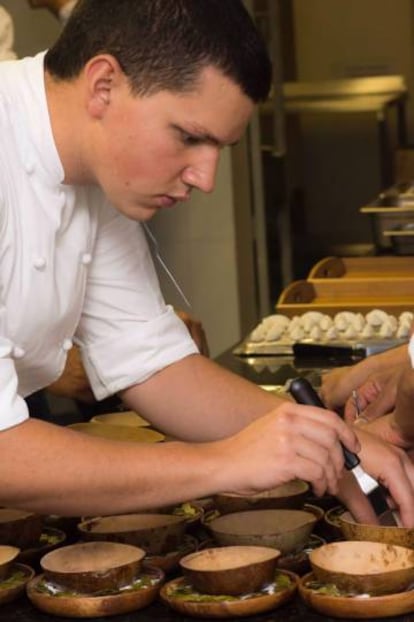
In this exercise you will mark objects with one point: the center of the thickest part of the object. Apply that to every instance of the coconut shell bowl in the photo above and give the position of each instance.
(362, 567)
(285, 530)
(291, 495)
(230, 570)
(92, 567)
(156, 533)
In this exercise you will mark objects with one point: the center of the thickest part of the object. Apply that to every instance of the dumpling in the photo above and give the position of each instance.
(403, 330)
(315, 333)
(350, 332)
(386, 330)
(368, 331)
(297, 334)
(332, 333)
(326, 322)
(406, 316)
(275, 332)
(376, 317)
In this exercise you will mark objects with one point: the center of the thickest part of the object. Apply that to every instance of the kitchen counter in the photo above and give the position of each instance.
(277, 370)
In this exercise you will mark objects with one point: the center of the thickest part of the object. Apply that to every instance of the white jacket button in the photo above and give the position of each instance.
(18, 353)
(29, 167)
(67, 345)
(39, 263)
(86, 259)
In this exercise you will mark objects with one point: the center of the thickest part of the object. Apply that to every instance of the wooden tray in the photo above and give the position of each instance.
(363, 267)
(337, 294)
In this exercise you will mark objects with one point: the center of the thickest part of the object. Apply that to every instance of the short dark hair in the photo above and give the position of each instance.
(164, 44)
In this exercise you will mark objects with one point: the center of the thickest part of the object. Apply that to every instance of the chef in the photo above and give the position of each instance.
(123, 117)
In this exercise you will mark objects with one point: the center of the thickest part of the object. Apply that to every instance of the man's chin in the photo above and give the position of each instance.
(139, 213)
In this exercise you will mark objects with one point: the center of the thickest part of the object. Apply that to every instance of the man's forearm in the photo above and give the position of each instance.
(223, 401)
(66, 472)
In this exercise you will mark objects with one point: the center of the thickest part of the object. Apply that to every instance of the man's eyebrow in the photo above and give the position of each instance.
(215, 141)
(207, 137)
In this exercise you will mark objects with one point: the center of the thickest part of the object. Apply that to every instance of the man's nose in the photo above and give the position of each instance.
(201, 172)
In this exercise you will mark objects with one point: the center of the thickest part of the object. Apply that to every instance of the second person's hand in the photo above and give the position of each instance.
(389, 465)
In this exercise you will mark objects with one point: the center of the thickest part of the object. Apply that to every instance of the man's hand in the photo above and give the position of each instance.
(376, 396)
(389, 465)
(404, 406)
(338, 384)
(196, 330)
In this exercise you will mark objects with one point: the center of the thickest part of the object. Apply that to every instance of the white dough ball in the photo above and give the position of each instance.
(326, 322)
(297, 334)
(386, 330)
(368, 331)
(332, 333)
(315, 333)
(376, 317)
(406, 316)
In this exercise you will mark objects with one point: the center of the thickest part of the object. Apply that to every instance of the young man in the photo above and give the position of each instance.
(124, 116)
(73, 382)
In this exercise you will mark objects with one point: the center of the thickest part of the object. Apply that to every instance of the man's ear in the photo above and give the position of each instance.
(102, 75)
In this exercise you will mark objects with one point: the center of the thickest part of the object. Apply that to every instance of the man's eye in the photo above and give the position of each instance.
(190, 139)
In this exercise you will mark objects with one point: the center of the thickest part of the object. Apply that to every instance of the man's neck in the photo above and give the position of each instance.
(68, 129)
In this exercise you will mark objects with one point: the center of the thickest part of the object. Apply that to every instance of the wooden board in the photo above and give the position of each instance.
(360, 295)
(384, 266)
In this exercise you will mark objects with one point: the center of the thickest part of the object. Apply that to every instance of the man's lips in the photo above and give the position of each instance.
(168, 200)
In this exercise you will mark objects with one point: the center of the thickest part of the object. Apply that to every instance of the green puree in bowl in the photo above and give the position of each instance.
(185, 591)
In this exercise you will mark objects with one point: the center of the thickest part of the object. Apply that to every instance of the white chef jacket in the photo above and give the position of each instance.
(71, 266)
(6, 35)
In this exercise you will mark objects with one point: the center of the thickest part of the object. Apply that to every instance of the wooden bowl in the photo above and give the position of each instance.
(291, 495)
(7, 556)
(284, 530)
(317, 511)
(191, 511)
(67, 524)
(90, 567)
(19, 528)
(175, 595)
(391, 534)
(155, 533)
(230, 570)
(49, 540)
(78, 605)
(169, 561)
(333, 605)
(298, 562)
(331, 528)
(364, 567)
(14, 585)
(127, 418)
